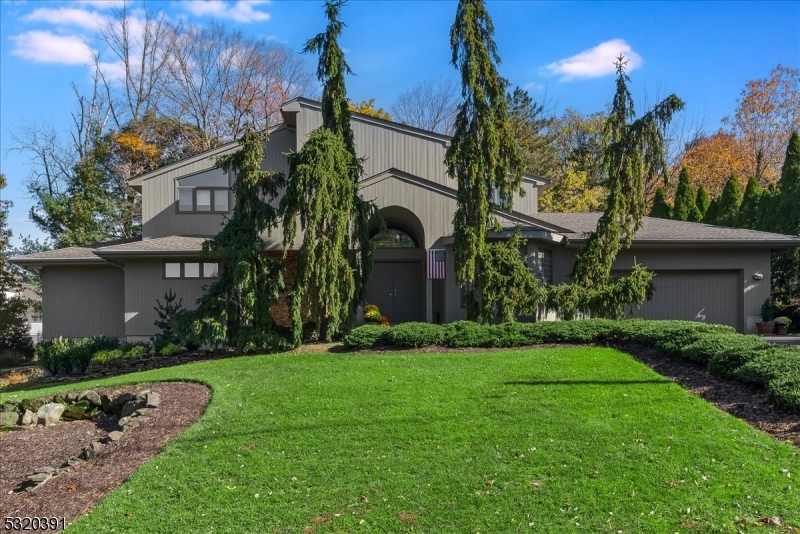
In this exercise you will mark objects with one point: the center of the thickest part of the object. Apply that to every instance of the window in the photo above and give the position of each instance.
(544, 266)
(393, 238)
(465, 294)
(203, 200)
(190, 269)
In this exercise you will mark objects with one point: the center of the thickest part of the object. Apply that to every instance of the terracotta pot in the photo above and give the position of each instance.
(765, 329)
(781, 330)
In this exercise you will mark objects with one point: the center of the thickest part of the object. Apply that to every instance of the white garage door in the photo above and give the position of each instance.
(708, 296)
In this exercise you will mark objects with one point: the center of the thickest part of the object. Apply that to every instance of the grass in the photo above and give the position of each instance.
(558, 440)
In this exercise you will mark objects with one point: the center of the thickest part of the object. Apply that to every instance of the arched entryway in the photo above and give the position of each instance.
(397, 285)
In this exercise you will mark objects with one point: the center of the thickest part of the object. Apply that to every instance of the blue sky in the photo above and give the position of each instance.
(702, 51)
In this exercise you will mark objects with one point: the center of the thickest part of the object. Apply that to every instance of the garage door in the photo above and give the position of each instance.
(708, 296)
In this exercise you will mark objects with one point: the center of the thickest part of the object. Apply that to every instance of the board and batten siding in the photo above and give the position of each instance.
(82, 301)
(159, 194)
(144, 283)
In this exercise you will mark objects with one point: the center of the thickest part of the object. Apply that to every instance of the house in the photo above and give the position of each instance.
(703, 272)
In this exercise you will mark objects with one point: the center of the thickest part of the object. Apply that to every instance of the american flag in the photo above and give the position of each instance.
(436, 263)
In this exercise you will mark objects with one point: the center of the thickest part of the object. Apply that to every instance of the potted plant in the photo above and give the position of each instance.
(782, 325)
(766, 325)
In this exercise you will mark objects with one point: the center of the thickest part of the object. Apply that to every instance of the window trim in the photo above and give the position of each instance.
(194, 210)
(183, 276)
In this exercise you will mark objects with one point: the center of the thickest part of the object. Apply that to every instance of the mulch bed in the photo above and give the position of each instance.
(75, 492)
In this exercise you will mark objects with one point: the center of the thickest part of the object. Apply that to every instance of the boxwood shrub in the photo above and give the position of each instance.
(720, 348)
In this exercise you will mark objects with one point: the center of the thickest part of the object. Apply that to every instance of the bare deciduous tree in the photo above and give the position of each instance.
(430, 105)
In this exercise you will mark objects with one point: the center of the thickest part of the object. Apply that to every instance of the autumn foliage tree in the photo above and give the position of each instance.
(713, 159)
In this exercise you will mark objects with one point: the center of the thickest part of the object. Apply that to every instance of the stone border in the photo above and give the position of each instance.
(131, 409)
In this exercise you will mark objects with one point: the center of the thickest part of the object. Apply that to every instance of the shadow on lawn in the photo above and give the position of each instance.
(582, 382)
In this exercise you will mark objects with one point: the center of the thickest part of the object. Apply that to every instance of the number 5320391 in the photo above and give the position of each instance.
(14, 524)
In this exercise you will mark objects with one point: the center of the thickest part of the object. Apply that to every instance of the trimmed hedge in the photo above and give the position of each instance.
(724, 352)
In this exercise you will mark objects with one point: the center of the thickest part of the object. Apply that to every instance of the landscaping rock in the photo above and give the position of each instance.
(92, 397)
(72, 462)
(132, 405)
(72, 396)
(130, 425)
(116, 405)
(142, 411)
(46, 470)
(78, 411)
(105, 403)
(39, 478)
(153, 399)
(32, 404)
(28, 418)
(91, 451)
(59, 399)
(113, 436)
(8, 407)
(49, 414)
(8, 418)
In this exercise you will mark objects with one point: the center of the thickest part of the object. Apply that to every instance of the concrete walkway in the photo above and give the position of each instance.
(784, 340)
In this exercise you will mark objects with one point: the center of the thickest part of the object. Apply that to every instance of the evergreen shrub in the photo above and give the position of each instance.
(415, 335)
(64, 355)
(366, 337)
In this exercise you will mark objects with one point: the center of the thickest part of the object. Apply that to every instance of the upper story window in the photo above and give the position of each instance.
(544, 266)
(203, 199)
(204, 192)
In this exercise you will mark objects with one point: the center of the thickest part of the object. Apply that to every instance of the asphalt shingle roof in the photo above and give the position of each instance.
(173, 243)
(664, 230)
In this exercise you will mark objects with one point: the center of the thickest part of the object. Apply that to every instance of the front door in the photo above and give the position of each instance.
(396, 288)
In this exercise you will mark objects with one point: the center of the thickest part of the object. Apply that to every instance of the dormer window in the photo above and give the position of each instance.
(203, 200)
(205, 192)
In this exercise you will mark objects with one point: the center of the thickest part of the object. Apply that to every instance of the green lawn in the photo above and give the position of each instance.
(557, 440)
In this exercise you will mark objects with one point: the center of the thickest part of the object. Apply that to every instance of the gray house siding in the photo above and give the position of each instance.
(144, 283)
(159, 194)
(82, 301)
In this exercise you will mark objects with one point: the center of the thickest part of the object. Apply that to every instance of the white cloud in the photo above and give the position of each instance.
(595, 62)
(102, 4)
(64, 16)
(241, 11)
(47, 47)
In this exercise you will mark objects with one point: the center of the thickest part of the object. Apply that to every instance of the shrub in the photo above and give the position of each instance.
(105, 356)
(466, 334)
(64, 355)
(170, 349)
(734, 351)
(137, 350)
(784, 391)
(365, 337)
(372, 314)
(767, 310)
(415, 335)
(769, 364)
(783, 321)
(12, 358)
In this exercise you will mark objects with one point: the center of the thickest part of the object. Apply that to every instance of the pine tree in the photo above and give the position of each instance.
(14, 330)
(661, 208)
(323, 191)
(748, 211)
(702, 201)
(685, 204)
(235, 309)
(728, 203)
(635, 150)
(483, 155)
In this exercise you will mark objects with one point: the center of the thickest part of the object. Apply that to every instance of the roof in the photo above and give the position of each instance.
(665, 231)
(64, 256)
(95, 253)
(161, 246)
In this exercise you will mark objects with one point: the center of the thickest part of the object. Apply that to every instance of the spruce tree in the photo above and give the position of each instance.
(635, 150)
(702, 201)
(728, 203)
(685, 204)
(323, 192)
(483, 155)
(748, 211)
(235, 309)
(661, 208)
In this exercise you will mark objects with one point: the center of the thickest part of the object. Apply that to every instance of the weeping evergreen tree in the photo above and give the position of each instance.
(635, 150)
(685, 200)
(748, 211)
(322, 192)
(661, 208)
(702, 201)
(483, 155)
(786, 264)
(235, 309)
